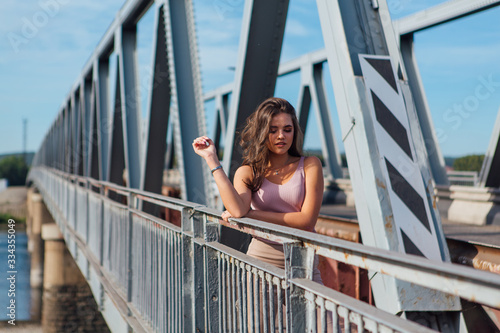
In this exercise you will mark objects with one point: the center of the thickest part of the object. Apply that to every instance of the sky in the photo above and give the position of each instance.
(46, 43)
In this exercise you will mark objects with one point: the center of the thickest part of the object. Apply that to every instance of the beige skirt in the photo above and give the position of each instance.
(272, 253)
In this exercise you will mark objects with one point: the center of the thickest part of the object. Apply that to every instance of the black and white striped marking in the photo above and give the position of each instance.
(411, 211)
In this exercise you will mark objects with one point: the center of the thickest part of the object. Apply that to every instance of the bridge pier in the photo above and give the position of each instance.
(68, 303)
(61, 299)
(38, 214)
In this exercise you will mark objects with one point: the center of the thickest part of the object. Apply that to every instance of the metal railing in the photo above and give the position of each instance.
(166, 278)
(463, 178)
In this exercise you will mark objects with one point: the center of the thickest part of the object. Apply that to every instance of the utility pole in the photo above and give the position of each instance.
(25, 135)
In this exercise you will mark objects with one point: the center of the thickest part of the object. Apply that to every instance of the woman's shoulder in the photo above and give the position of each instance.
(244, 172)
(313, 169)
(312, 161)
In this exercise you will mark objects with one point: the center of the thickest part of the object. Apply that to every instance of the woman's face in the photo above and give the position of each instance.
(280, 133)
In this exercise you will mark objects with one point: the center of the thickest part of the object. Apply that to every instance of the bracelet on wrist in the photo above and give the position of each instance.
(216, 168)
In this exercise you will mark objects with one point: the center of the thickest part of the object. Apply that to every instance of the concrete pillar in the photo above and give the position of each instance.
(38, 214)
(29, 216)
(68, 303)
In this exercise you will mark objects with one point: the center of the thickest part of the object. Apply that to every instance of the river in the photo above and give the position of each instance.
(21, 283)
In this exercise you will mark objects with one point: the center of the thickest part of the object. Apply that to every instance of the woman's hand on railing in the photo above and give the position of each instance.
(226, 215)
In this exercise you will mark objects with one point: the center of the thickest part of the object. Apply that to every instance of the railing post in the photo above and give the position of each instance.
(88, 188)
(211, 234)
(130, 203)
(193, 271)
(299, 263)
(101, 228)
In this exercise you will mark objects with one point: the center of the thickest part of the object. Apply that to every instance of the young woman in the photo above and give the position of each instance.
(275, 183)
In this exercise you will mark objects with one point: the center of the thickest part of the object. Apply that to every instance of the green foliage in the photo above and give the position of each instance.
(4, 218)
(14, 169)
(469, 163)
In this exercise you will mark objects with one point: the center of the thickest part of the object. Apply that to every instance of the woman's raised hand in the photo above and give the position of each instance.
(204, 147)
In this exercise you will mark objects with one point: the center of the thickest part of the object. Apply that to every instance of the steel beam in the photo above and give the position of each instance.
(220, 119)
(67, 139)
(442, 13)
(489, 175)
(86, 109)
(116, 159)
(59, 143)
(79, 133)
(432, 149)
(93, 138)
(349, 30)
(259, 53)
(126, 46)
(74, 132)
(170, 151)
(313, 89)
(187, 100)
(155, 144)
(101, 73)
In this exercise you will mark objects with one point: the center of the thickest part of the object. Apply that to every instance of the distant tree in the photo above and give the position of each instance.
(344, 160)
(468, 163)
(14, 169)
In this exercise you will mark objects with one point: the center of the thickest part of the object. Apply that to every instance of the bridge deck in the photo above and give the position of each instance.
(487, 235)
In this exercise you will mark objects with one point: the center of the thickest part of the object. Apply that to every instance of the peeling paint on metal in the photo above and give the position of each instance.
(389, 222)
(380, 183)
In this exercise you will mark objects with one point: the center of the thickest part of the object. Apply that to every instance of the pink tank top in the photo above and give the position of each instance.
(285, 198)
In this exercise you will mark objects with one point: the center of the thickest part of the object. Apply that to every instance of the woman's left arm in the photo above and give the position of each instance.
(306, 218)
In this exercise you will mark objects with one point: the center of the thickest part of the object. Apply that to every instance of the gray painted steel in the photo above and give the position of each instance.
(377, 227)
(489, 175)
(116, 159)
(86, 113)
(432, 149)
(442, 13)
(126, 44)
(155, 143)
(313, 89)
(101, 72)
(93, 139)
(187, 100)
(220, 122)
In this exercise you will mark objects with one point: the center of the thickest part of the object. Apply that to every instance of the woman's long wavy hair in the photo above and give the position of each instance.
(255, 135)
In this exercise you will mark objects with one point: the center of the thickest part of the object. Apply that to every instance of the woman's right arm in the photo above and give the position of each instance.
(236, 198)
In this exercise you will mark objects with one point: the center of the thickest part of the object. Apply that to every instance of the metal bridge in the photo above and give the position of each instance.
(101, 178)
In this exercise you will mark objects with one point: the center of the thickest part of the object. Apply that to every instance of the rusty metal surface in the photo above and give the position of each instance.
(486, 235)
